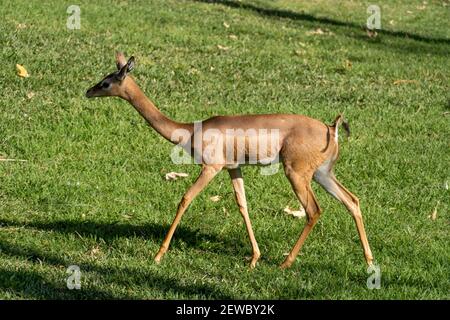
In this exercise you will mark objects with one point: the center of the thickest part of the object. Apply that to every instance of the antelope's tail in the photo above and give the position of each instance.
(337, 122)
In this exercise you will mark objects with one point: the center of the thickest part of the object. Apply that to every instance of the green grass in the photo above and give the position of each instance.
(92, 192)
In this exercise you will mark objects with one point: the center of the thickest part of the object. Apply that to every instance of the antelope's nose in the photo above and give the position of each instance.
(88, 93)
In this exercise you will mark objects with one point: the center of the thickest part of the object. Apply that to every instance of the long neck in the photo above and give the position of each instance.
(156, 119)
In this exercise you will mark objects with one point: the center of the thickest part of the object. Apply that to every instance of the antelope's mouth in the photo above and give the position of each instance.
(89, 93)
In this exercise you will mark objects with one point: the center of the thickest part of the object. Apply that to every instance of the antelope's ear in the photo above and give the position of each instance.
(130, 64)
(125, 69)
(120, 60)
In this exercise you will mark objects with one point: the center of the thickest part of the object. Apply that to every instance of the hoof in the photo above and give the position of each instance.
(369, 261)
(158, 258)
(254, 259)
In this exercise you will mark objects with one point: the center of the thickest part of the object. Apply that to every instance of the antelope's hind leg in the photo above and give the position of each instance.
(301, 184)
(326, 178)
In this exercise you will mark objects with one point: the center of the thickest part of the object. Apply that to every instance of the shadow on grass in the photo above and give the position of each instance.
(279, 13)
(33, 284)
(30, 284)
(147, 231)
(387, 39)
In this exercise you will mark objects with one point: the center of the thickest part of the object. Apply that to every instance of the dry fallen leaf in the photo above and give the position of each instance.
(175, 175)
(193, 71)
(233, 37)
(4, 159)
(226, 25)
(401, 81)
(215, 198)
(299, 52)
(94, 251)
(296, 213)
(21, 26)
(30, 94)
(372, 33)
(348, 64)
(433, 215)
(21, 71)
(319, 31)
(223, 48)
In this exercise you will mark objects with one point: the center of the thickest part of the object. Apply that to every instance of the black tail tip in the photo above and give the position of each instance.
(346, 127)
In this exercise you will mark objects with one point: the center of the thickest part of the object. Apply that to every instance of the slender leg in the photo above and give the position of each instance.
(207, 174)
(327, 180)
(239, 191)
(302, 189)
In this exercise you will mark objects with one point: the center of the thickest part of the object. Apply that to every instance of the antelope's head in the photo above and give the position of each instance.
(114, 84)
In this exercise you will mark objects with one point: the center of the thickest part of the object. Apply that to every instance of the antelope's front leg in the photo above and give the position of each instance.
(239, 191)
(207, 174)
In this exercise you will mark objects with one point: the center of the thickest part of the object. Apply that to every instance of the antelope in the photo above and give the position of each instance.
(307, 148)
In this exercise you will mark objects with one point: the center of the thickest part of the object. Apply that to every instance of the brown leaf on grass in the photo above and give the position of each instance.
(30, 94)
(215, 198)
(433, 215)
(95, 251)
(226, 25)
(193, 71)
(233, 37)
(223, 48)
(296, 213)
(21, 26)
(372, 33)
(402, 81)
(319, 31)
(299, 52)
(21, 71)
(316, 31)
(4, 159)
(175, 175)
(348, 64)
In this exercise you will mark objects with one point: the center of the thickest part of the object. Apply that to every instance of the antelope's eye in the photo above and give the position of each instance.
(105, 85)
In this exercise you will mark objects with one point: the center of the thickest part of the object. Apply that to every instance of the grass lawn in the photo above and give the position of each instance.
(92, 191)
